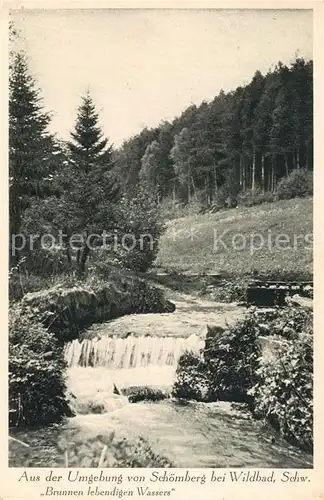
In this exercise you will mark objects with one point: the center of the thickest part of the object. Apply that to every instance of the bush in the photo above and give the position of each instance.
(286, 322)
(191, 377)
(36, 373)
(140, 217)
(249, 197)
(284, 392)
(144, 393)
(298, 184)
(225, 370)
(219, 201)
(233, 290)
(231, 357)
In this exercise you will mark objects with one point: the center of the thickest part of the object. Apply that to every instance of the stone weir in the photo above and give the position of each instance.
(117, 353)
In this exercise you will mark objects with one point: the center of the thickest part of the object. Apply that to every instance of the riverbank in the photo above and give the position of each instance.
(189, 435)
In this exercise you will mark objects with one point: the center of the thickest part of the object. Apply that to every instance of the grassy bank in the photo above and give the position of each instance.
(67, 310)
(226, 242)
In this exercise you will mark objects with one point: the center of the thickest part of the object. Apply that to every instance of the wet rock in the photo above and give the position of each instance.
(144, 393)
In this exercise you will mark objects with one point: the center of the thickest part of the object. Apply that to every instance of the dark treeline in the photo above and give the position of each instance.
(247, 139)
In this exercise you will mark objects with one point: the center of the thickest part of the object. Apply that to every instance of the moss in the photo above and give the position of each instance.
(67, 311)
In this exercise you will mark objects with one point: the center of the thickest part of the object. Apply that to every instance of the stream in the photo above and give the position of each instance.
(143, 350)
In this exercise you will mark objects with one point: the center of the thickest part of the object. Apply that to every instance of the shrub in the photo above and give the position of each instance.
(220, 198)
(140, 217)
(144, 393)
(225, 370)
(298, 184)
(192, 380)
(36, 373)
(249, 197)
(233, 290)
(284, 392)
(287, 322)
(231, 357)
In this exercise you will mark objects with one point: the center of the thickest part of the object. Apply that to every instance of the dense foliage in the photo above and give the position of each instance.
(299, 183)
(34, 153)
(232, 359)
(142, 224)
(192, 381)
(36, 373)
(284, 392)
(139, 393)
(276, 381)
(225, 370)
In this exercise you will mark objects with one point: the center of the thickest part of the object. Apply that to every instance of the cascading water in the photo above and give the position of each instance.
(96, 366)
(132, 352)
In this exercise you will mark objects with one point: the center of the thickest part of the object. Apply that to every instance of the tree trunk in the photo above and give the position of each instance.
(307, 156)
(68, 254)
(206, 193)
(188, 187)
(298, 159)
(273, 173)
(174, 196)
(194, 188)
(262, 173)
(243, 174)
(215, 181)
(253, 171)
(14, 222)
(286, 164)
(84, 257)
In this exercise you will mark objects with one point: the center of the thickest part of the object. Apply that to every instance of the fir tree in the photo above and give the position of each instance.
(89, 204)
(31, 146)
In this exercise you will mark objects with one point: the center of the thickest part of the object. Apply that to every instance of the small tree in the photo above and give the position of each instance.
(89, 204)
(141, 226)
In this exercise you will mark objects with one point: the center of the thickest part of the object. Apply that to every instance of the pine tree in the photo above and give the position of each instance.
(151, 171)
(31, 146)
(89, 204)
(283, 134)
(252, 96)
(182, 155)
(232, 134)
(262, 125)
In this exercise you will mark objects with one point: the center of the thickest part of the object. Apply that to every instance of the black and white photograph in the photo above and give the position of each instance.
(160, 177)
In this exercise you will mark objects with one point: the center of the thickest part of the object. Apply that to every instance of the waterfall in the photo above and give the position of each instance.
(116, 353)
